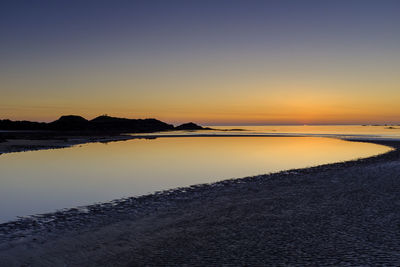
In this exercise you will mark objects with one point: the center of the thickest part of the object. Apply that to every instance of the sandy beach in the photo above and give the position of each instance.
(337, 214)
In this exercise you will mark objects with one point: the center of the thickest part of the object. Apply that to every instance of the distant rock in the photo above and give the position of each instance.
(70, 122)
(129, 125)
(189, 126)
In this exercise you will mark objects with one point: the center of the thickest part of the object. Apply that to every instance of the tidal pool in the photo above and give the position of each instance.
(44, 181)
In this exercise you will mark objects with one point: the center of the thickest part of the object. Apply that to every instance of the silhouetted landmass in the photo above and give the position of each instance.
(70, 122)
(17, 136)
(98, 125)
(190, 126)
(22, 125)
(103, 123)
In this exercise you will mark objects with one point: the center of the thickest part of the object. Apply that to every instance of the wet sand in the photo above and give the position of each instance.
(336, 214)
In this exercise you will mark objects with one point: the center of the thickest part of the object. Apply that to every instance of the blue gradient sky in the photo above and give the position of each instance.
(214, 62)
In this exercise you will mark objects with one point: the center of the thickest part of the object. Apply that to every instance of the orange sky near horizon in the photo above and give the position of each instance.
(255, 109)
(213, 63)
(229, 99)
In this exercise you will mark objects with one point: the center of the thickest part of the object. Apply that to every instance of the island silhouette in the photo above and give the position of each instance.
(103, 123)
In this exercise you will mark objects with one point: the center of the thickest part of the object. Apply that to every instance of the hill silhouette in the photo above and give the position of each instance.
(69, 122)
(189, 126)
(128, 125)
(104, 123)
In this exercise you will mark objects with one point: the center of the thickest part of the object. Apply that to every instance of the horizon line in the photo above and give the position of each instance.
(234, 124)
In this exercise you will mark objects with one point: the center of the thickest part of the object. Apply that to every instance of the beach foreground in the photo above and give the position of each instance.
(337, 214)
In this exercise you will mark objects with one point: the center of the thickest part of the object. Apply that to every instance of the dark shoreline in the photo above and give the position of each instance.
(25, 144)
(39, 228)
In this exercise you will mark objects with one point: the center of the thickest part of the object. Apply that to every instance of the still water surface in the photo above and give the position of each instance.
(44, 181)
(347, 131)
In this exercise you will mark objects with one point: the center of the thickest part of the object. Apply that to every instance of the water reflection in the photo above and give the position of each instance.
(42, 181)
(357, 131)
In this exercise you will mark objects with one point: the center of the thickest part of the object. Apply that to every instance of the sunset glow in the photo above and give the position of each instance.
(213, 62)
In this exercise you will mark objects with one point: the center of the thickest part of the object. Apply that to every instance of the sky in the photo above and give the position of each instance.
(212, 62)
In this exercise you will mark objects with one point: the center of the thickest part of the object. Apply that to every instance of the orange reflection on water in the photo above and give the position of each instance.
(62, 178)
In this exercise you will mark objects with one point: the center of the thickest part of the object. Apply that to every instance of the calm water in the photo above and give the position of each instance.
(349, 131)
(43, 181)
